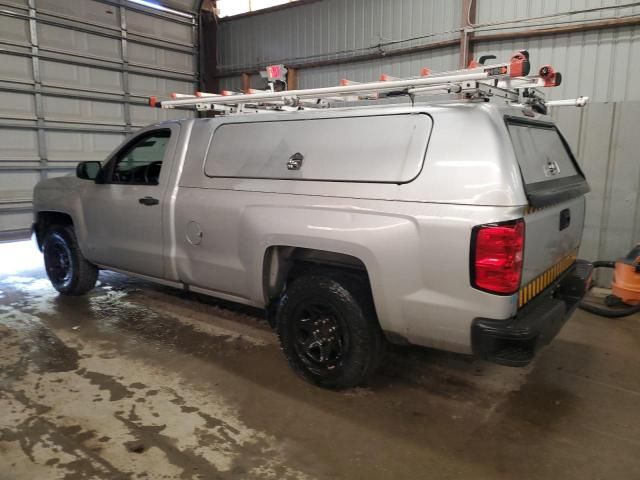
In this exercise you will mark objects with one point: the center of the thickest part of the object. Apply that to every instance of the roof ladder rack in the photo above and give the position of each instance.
(510, 81)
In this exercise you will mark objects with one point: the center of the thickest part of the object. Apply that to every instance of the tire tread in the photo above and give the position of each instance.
(363, 324)
(85, 273)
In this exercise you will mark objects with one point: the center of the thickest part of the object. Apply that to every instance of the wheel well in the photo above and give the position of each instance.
(46, 219)
(283, 263)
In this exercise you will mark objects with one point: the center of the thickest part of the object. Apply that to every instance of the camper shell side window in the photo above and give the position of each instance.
(377, 149)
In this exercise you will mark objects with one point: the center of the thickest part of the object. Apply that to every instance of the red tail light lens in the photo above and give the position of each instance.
(496, 257)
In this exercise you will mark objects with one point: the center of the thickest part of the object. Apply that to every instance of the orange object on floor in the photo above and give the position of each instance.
(626, 278)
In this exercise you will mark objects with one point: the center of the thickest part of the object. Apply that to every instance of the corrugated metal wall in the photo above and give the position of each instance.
(605, 138)
(595, 63)
(401, 66)
(496, 11)
(598, 64)
(332, 29)
(602, 64)
(74, 80)
(311, 31)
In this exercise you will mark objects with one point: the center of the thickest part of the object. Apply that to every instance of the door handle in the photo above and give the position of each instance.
(149, 201)
(565, 218)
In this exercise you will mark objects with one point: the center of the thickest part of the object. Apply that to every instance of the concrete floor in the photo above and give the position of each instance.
(140, 381)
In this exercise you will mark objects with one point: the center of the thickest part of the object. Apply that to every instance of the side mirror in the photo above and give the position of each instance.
(88, 170)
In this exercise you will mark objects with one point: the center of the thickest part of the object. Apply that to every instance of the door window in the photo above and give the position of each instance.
(140, 163)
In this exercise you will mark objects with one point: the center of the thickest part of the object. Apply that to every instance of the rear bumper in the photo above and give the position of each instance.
(514, 342)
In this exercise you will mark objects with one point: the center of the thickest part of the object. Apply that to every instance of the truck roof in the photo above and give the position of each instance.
(434, 108)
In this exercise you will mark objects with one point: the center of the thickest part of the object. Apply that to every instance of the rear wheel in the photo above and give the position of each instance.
(328, 330)
(69, 272)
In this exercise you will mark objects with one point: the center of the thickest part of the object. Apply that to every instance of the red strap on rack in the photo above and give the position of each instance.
(520, 66)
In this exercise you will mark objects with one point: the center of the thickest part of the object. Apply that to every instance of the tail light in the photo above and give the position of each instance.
(496, 257)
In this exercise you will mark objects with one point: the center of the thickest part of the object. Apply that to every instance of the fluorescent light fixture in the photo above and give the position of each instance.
(162, 8)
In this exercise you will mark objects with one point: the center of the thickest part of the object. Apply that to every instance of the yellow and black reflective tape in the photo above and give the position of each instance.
(542, 281)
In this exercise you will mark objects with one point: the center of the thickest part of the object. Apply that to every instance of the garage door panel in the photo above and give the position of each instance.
(18, 185)
(21, 3)
(19, 220)
(143, 115)
(14, 29)
(159, 57)
(20, 105)
(77, 76)
(84, 9)
(77, 42)
(144, 85)
(158, 27)
(85, 85)
(61, 166)
(16, 68)
(81, 146)
(18, 145)
(89, 111)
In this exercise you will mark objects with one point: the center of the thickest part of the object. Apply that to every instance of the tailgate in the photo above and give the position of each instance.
(552, 239)
(555, 188)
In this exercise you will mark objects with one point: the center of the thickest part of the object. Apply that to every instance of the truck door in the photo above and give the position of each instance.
(124, 209)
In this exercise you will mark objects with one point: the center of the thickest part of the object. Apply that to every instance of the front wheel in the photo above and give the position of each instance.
(328, 330)
(69, 272)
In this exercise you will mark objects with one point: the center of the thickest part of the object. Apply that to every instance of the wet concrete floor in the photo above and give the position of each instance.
(140, 381)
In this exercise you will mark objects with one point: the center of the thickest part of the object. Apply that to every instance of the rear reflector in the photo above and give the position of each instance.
(496, 257)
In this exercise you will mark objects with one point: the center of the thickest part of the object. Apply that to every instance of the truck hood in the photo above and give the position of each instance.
(66, 182)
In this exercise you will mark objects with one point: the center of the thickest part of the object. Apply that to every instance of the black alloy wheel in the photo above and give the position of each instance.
(328, 329)
(320, 340)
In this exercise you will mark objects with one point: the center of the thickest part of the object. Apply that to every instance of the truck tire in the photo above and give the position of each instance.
(69, 272)
(328, 330)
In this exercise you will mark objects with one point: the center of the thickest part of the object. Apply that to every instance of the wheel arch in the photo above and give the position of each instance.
(282, 263)
(45, 219)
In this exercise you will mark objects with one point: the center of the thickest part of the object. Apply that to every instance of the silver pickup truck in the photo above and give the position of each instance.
(453, 225)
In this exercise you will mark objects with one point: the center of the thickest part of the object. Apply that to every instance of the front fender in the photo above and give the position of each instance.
(62, 195)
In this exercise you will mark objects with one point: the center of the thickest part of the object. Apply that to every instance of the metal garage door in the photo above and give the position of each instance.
(74, 80)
